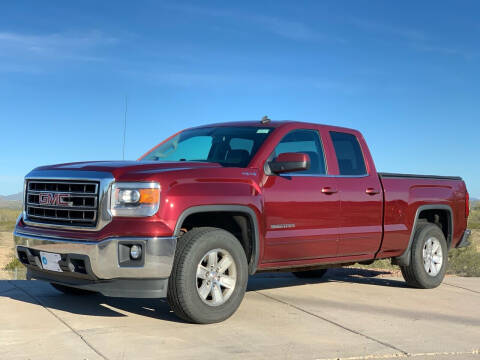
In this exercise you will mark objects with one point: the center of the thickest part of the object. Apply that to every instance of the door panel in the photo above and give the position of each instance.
(361, 216)
(301, 221)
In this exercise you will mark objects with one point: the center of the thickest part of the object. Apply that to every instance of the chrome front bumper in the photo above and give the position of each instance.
(103, 259)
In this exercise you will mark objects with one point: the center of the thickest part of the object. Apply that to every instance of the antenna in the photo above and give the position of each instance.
(124, 129)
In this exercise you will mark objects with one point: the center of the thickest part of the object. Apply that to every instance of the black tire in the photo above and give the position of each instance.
(183, 296)
(71, 290)
(415, 274)
(310, 274)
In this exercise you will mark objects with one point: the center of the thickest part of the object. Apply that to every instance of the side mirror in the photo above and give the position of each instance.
(289, 162)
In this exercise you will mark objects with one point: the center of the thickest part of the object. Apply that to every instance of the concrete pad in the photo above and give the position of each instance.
(146, 329)
(470, 283)
(29, 331)
(446, 319)
(347, 316)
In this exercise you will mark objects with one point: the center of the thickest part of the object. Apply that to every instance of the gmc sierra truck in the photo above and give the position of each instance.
(211, 205)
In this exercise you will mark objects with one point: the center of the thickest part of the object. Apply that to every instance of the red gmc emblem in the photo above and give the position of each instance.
(54, 199)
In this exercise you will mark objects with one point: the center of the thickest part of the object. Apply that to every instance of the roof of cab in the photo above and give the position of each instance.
(273, 124)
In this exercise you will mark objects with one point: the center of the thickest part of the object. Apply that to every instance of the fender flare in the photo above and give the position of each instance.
(404, 259)
(244, 209)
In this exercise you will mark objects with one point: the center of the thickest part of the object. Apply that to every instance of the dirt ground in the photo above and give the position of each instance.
(6, 248)
(6, 251)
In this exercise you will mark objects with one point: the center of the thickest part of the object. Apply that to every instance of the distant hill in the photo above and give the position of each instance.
(11, 201)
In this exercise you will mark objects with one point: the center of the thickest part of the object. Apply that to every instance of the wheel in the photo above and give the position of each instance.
(71, 290)
(209, 276)
(429, 256)
(310, 274)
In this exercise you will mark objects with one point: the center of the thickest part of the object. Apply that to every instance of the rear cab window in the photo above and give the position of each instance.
(349, 154)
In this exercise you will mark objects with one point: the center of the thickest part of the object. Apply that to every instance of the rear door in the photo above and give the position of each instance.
(361, 198)
(301, 208)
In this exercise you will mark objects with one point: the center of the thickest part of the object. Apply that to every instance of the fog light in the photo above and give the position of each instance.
(135, 252)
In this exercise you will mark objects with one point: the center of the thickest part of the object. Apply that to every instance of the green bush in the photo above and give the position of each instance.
(13, 264)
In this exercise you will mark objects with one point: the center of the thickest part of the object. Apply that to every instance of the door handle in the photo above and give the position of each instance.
(372, 191)
(328, 190)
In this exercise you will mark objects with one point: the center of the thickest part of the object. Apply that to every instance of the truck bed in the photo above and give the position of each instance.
(409, 196)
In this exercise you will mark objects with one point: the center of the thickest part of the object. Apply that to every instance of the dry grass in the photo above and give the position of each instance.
(474, 218)
(8, 262)
(8, 218)
(466, 261)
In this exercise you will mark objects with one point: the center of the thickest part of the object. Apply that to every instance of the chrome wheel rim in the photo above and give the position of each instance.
(432, 256)
(216, 277)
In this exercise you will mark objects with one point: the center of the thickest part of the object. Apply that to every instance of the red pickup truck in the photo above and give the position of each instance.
(194, 216)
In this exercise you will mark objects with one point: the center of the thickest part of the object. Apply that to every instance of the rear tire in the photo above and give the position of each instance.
(71, 290)
(310, 274)
(209, 276)
(429, 256)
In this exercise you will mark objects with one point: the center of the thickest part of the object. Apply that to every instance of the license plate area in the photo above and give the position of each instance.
(50, 261)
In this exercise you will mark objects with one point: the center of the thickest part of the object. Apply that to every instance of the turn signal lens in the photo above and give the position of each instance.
(149, 196)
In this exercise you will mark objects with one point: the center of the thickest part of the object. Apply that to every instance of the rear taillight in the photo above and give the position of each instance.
(467, 204)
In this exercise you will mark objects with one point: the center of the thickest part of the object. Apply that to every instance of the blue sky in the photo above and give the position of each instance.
(405, 73)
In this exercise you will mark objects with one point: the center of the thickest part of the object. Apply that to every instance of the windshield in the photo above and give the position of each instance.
(228, 146)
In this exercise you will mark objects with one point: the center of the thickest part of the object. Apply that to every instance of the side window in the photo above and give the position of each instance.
(307, 142)
(349, 154)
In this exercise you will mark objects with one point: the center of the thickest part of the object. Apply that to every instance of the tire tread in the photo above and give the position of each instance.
(411, 272)
(179, 293)
(184, 243)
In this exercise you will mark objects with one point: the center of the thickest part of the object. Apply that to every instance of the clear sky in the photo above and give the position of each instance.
(405, 73)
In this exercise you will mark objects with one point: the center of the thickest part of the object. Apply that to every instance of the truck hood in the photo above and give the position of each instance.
(119, 168)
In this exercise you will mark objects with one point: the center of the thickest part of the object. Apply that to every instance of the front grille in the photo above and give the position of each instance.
(71, 203)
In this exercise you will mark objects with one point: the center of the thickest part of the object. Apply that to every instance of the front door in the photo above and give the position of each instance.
(301, 208)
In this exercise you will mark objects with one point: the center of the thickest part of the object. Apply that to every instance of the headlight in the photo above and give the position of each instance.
(135, 199)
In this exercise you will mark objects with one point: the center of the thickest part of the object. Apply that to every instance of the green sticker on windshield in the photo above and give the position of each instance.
(263, 131)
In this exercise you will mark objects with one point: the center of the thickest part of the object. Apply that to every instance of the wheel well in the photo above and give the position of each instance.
(237, 223)
(441, 218)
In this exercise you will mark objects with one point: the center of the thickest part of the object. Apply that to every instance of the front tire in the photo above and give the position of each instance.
(429, 256)
(209, 276)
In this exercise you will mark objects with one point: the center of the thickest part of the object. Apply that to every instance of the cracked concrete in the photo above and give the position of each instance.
(349, 315)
